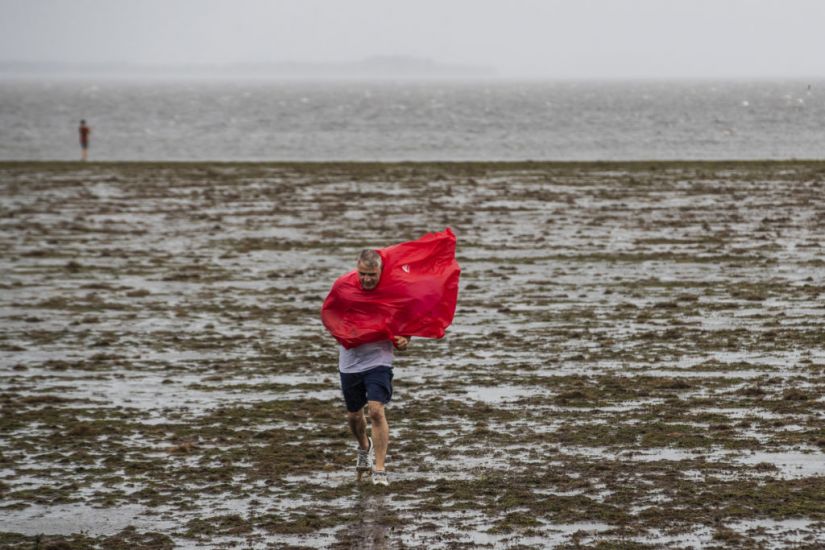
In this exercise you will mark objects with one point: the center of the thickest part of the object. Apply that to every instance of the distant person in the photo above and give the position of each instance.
(85, 132)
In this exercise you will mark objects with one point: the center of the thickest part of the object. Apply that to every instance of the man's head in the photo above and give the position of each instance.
(369, 269)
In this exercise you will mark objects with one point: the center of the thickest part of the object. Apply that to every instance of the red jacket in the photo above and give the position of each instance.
(415, 296)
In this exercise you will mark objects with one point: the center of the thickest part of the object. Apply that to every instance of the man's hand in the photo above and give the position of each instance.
(401, 342)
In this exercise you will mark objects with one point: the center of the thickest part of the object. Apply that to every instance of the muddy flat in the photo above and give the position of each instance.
(636, 361)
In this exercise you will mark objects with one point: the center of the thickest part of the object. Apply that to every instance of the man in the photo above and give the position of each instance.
(408, 289)
(366, 381)
(84, 132)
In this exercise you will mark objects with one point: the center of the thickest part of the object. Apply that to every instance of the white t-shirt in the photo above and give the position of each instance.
(365, 357)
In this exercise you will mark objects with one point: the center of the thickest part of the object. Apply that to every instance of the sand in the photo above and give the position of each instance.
(636, 361)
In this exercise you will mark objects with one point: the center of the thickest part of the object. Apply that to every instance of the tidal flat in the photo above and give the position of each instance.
(637, 358)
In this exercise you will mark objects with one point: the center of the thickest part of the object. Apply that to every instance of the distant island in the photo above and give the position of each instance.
(390, 66)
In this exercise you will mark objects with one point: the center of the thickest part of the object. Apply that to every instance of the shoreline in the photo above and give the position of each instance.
(634, 164)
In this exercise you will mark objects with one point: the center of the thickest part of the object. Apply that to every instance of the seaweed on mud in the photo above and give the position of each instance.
(232, 524)
(633, 341)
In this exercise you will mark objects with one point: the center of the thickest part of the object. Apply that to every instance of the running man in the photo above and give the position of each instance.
(404, 290)
(366, 381)
(84, 132)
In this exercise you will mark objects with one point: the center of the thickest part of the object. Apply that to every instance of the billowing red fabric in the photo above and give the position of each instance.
(415, 296)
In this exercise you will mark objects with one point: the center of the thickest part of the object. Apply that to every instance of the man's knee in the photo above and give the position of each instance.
(376, 411)
(355, 416)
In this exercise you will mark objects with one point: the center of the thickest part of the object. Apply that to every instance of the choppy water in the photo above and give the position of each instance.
(259, 120)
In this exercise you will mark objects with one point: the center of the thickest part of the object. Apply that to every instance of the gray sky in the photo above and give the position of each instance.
(533, 38)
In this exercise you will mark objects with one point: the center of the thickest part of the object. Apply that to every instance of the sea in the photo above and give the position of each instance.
(482, 120)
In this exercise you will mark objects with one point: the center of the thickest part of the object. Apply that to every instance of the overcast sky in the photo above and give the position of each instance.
(519, 38)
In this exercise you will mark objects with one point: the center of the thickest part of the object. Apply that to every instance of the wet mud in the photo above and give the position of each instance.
(637, 357)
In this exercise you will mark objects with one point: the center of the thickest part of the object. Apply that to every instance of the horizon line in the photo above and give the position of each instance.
(370, 68)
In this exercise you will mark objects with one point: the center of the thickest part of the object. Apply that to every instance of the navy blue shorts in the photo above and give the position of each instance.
(370, 385)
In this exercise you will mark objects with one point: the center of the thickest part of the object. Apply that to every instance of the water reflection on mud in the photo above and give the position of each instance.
(370, 529)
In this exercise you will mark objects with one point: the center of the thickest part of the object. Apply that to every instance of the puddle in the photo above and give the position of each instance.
(75, 518)
(497, 394)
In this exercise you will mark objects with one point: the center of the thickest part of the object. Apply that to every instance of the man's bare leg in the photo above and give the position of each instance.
(380, 432)
(358, 425)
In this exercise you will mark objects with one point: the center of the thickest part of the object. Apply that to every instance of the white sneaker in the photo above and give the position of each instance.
(380, 478)
(364, 461)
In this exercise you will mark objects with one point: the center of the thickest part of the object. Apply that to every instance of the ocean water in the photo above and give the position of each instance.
(361, 120)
